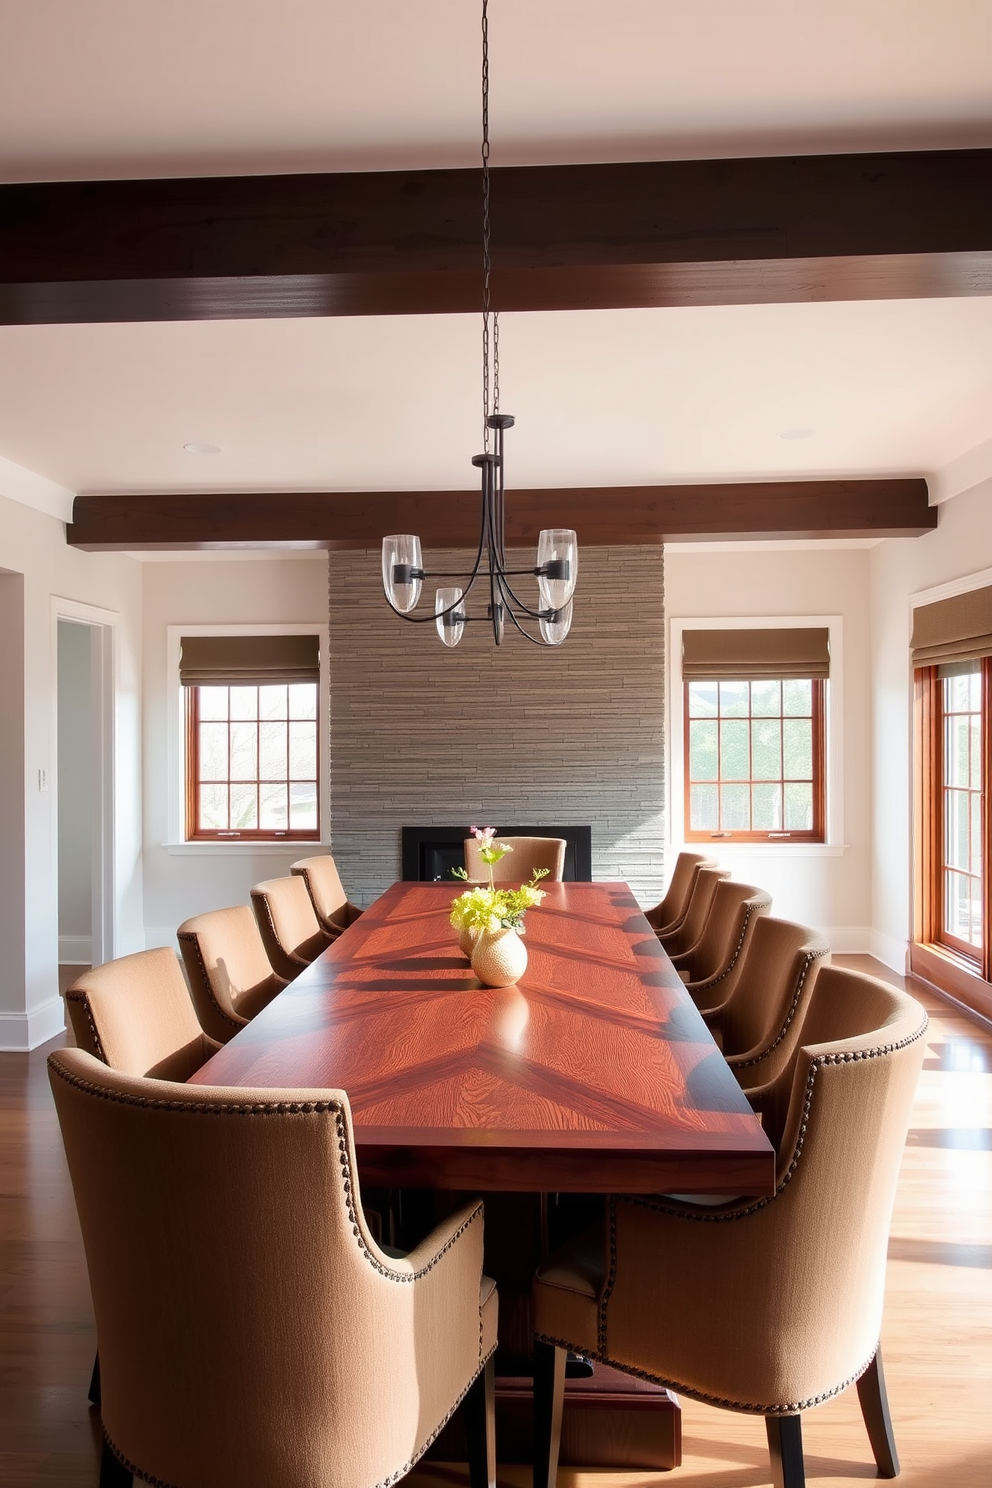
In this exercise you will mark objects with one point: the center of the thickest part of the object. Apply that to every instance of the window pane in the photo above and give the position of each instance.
(213, 807)
(213, 751)
(766, 749)
(272, 701)
(976, 833)
(303, 808)
(273, 812)
(798, 807)
(303, 700)
(704, 809)
(244, 807)
(957, 750)
(702, 699)
(797, 749)
(766, 699)
(244, 751)
(735, 808)
(272, 751)
(956, 814)
(212, 702)
(302, 751)
(766, 808)
(962, 908)
(734, 756)
(797, 698)
(244, 702)
(975, 736)
(733, 699)
(702, 751)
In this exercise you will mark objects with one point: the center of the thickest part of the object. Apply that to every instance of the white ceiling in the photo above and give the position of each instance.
(136, 87)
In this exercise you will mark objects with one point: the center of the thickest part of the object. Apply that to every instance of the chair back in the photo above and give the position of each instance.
(779, 1301)
(694, 920)
(315, 1359)
(230, 978)
(669, 913)
(136, 1015)
(330, 902)
(287, 924)
(759, 1027)
(714, 963)
(528, 854)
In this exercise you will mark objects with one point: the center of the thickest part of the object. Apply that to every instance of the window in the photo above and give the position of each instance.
(754, 734)
(252, 737)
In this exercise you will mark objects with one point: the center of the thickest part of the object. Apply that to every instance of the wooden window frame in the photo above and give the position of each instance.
(785, 836)
(196, 833)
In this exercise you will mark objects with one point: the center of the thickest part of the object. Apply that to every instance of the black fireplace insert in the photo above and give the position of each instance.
(430, 853)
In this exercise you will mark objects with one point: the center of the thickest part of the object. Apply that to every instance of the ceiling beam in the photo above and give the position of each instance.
(694, 232)
(606, 515)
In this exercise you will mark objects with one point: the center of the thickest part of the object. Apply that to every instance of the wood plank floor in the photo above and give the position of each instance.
(937, 1336)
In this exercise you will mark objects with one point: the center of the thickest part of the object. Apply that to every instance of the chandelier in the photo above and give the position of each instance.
(403, 571)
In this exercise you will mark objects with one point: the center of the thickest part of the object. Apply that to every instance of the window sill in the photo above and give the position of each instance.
(235, 849)
(952, 975)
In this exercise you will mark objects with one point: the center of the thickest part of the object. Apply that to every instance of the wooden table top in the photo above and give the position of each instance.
(595, 1073)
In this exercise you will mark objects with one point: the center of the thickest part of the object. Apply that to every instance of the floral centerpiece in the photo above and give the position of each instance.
(490, 920)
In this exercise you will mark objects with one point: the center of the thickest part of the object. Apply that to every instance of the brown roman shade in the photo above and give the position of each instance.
(230, 661)
(720, 655)
(955, 629)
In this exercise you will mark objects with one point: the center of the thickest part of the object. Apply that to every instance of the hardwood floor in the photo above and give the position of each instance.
(937, 1337)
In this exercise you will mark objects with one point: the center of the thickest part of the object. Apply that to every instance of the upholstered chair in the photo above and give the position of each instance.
(714, 963)
(668, 914)
(136, 1015)
(230, 978)
(323, 1359)
(327, 895)
(759, 1021)
(288, 925)
(688, 932)
(767, 1306)
(529, 853)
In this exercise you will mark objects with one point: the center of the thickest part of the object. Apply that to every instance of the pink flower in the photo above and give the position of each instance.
(485, 835)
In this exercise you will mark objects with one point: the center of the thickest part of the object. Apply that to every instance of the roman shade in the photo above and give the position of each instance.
(231, 661)
(748, 655)
(955, 629)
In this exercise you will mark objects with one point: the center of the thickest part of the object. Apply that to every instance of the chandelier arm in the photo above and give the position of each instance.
(512, 595)
(534, 640)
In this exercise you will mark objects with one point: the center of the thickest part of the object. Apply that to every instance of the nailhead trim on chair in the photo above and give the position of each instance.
(714, 981)
(189, 938)
(808, 961)
(83, 998)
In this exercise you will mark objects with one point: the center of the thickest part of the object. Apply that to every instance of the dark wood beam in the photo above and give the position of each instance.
(828, 227)
(607, 515)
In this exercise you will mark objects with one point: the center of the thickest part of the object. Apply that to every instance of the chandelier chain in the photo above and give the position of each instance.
(490, 340)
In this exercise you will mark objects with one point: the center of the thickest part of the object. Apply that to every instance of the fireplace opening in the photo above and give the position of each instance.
(430, 853)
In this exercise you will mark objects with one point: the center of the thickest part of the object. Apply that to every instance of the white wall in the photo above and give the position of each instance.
(961, 545)
(34, 551)
(74, 788)
(826, 887)
(181, 880)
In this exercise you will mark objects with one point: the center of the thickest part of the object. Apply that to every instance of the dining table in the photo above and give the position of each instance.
(593, 1074)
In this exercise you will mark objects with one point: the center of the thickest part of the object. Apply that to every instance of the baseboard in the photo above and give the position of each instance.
(21, 1032)
(891, 952)
(75, 950)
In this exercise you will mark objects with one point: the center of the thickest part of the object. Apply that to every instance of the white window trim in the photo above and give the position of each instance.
(178, 843)
(834, 846)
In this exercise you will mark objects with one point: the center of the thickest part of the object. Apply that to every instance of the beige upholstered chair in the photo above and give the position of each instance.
(768, 1306)
(229, 973)
(682, 939)
(759, 1021)
(288, 925)
(668, 914)
(324, 1360)
(715, 961)
(330, 902)
(136, 1015)
(528, 854)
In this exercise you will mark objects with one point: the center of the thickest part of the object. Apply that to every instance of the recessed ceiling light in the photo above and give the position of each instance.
(785, 434)
(202, 449)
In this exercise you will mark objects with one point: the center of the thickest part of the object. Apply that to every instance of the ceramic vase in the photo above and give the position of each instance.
(499, 958)
(466, 940)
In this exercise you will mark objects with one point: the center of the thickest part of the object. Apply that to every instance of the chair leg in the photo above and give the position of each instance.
(549, 1396)
(785, 1447)
(113, 1473)
(480, 1428)
(93, 1395)
(875, 1409)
